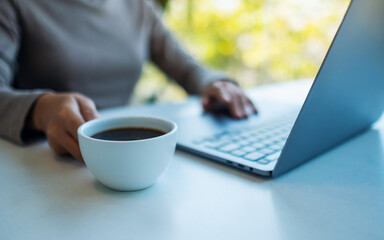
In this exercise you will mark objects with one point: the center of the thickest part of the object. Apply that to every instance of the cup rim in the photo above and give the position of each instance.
(86, 124)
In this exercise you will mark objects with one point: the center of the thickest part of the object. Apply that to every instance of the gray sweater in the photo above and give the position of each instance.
(95, 47)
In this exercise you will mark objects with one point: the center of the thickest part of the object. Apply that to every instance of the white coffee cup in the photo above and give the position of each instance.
(127, 165)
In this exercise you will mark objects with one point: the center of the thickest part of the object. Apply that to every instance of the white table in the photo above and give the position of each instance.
(339, 195)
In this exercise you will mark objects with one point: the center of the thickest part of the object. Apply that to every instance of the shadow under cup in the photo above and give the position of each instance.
(127, 165)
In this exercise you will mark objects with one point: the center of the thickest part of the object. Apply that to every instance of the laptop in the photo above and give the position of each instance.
(345, 99)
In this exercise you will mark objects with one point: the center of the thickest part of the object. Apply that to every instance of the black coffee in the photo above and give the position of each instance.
(128, 134)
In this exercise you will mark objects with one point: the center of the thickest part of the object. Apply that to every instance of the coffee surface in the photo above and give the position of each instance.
(128, 134)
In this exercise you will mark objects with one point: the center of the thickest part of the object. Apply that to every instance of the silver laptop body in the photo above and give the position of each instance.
(346, 98)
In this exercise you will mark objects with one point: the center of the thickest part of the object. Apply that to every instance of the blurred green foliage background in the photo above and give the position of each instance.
(253, 41)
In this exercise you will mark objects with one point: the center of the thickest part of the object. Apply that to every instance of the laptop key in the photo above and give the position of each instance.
(238, 138)
(266, 151)
(254, 156)
(258, 145)
(275, 147)
(229, 147)
(224, 137)
(243, 142)
(216, 144)
(263, 161)
(268, 142)
(248, 149)
(238, 153)
(273, 157)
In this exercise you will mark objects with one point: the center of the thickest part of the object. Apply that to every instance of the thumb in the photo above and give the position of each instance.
(87, 108)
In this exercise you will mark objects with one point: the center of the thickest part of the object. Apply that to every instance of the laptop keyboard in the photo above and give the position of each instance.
(262, 144)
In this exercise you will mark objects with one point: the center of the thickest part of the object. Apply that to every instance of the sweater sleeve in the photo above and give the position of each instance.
(14, 104)
(167, 53)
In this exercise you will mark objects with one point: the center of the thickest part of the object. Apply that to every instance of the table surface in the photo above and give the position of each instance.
(338, 195)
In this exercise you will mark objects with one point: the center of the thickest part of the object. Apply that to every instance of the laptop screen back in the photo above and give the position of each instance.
(348, 93)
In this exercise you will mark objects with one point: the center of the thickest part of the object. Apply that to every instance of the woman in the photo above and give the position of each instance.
(60, 61)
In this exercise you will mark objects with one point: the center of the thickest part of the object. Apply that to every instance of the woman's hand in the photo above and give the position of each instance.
(230, 95)
(58, 116)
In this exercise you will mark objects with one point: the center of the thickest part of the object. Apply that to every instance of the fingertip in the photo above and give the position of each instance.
(94, 116)
(90, 115)
(77, 154)
(81, 160)
(236, 114)
(255, 110)
(95, 113)
(246, 113)
(239, 116)
(252, 110)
